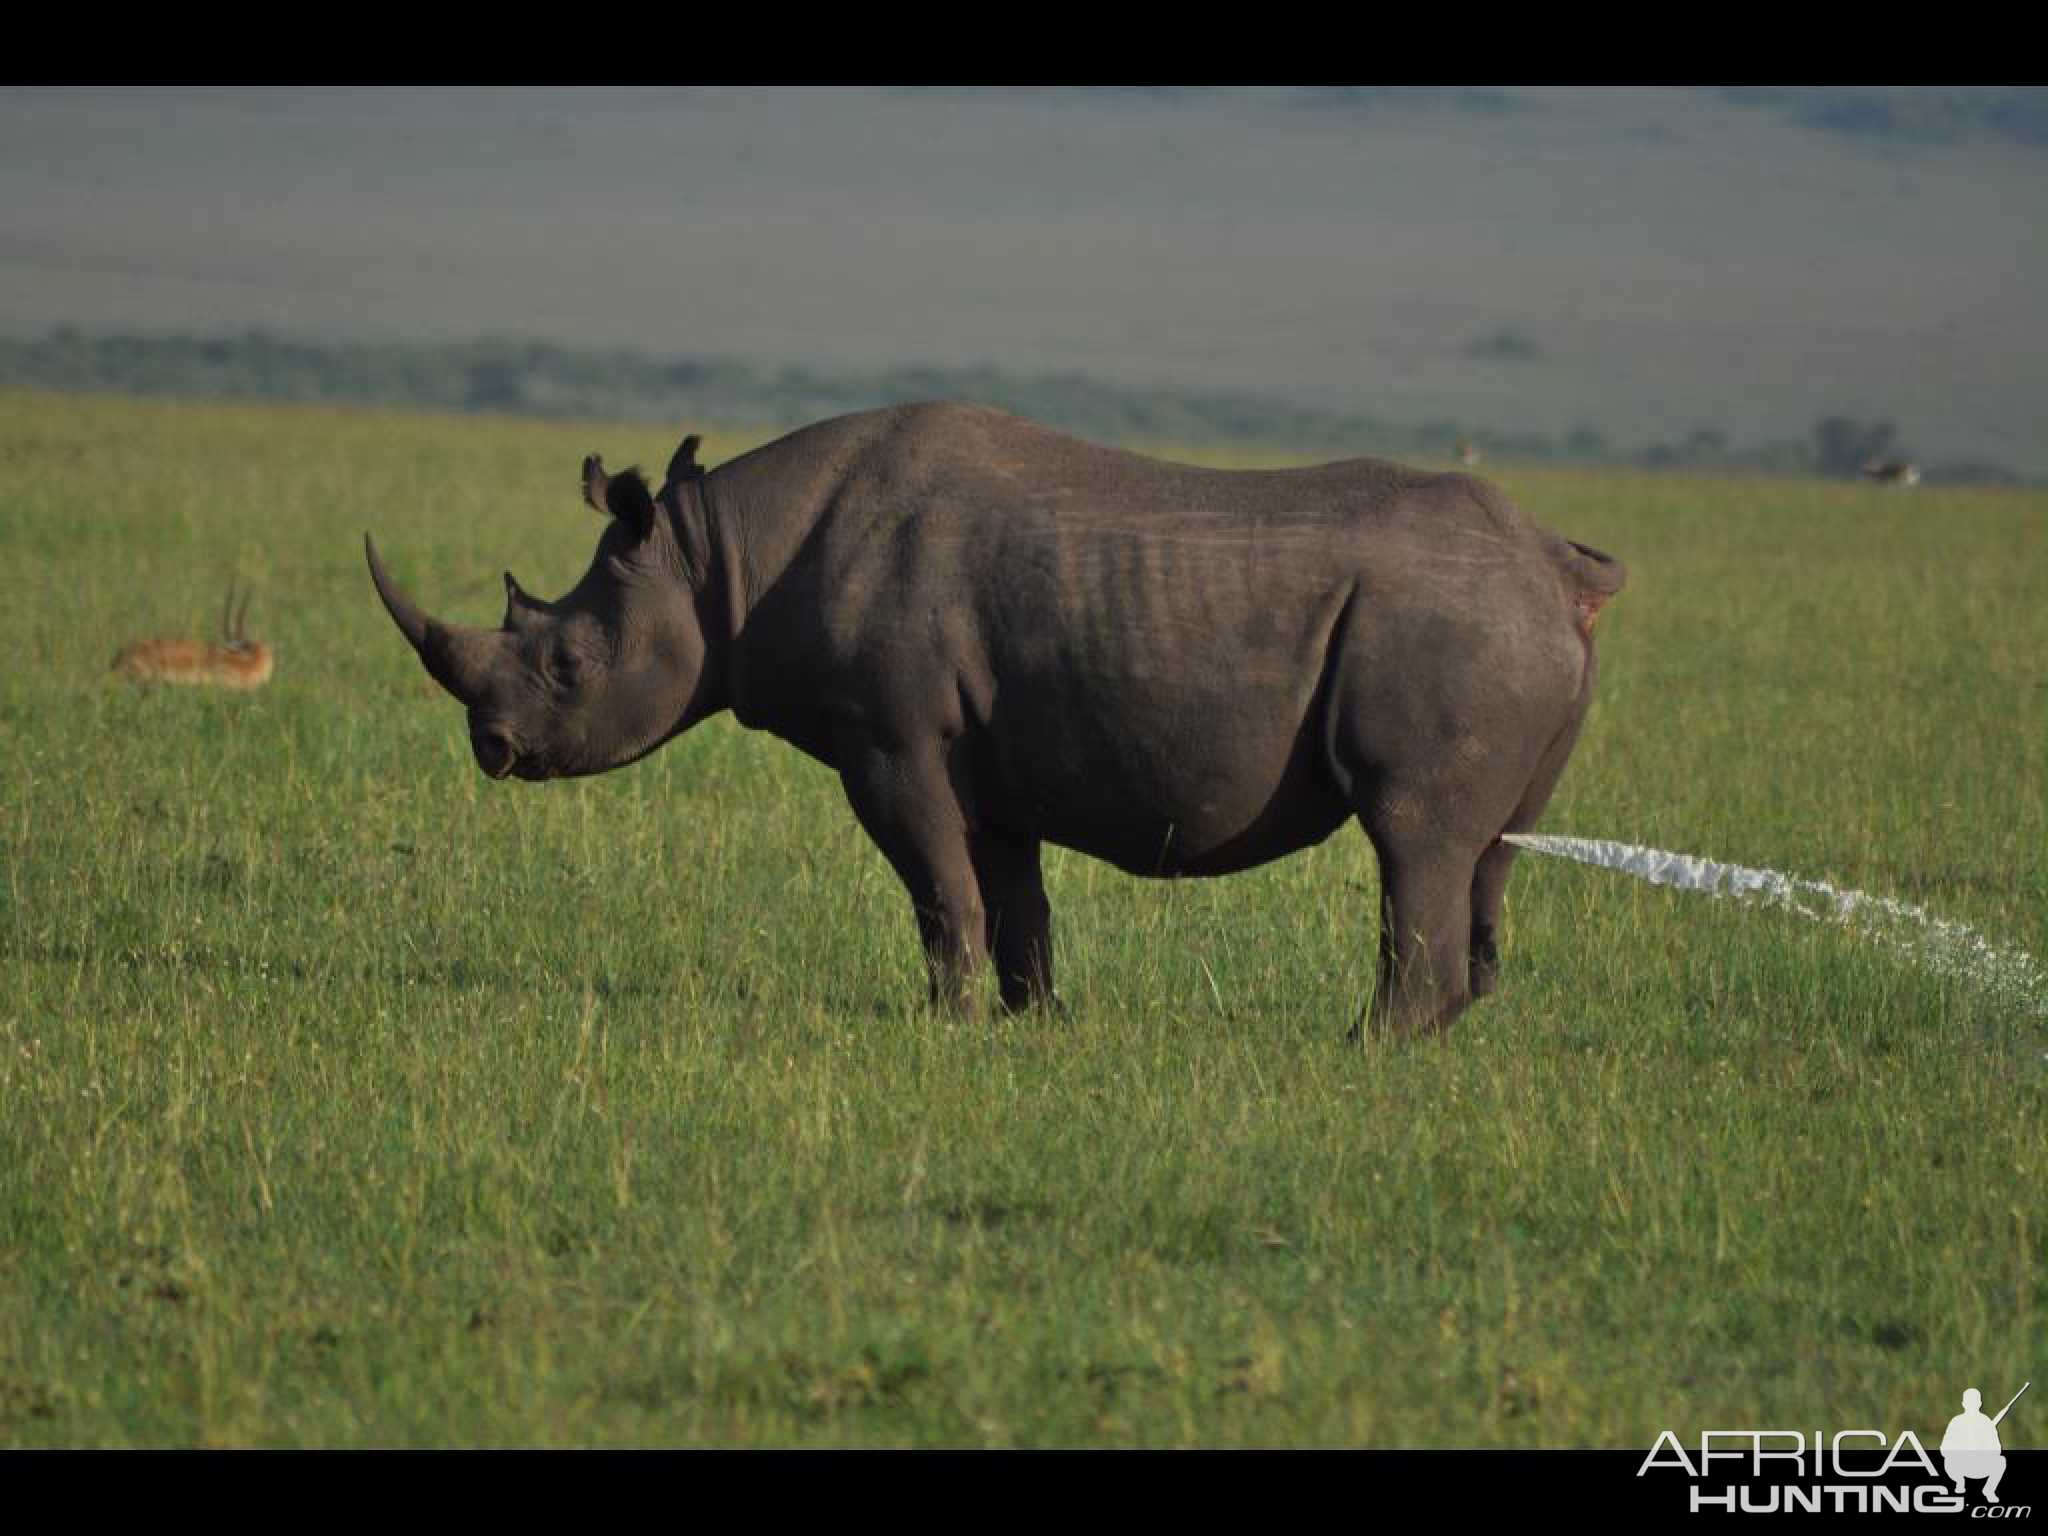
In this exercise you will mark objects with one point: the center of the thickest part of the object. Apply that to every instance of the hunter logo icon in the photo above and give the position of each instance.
(1970, 1448)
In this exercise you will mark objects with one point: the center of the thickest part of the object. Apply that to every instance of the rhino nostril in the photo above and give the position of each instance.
(493, 751)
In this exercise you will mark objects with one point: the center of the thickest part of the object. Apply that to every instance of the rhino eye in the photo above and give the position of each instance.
(566, 669)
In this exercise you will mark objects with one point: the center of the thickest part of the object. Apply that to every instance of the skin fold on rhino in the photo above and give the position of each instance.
(1001, 636)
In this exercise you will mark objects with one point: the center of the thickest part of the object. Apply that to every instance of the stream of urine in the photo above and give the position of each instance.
(1951, 947)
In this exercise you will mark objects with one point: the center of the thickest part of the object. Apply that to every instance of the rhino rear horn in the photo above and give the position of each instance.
(519, 602)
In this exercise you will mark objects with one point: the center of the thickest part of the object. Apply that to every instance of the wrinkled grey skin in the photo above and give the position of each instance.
(1001, 636)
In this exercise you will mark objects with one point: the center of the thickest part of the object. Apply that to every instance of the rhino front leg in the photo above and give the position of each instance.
(1019, 916)
(910, 801)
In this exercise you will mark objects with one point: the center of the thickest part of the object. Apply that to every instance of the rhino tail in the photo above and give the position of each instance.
(1591, 576)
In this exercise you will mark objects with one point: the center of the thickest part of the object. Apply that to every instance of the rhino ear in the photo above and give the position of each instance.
(684, 465)
(627, 498)
(624, 496)
(595, 483)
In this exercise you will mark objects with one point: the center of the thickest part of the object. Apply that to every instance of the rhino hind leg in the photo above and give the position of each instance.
(911, 800)
(1490, 879)
(1425, 933)
(1489, 889)
(1019, 918)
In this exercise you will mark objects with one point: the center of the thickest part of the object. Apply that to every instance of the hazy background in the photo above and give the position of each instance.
(1640, 264)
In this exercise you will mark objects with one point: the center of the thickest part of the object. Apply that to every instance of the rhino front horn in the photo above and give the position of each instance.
(458, 659)
(403, 610)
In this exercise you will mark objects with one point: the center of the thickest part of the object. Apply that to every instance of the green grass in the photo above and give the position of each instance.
(348, 1098)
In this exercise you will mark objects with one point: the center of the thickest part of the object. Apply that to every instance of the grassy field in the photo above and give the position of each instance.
(348, 1098)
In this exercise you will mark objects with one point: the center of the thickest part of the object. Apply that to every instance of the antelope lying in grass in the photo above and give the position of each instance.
(237, 662)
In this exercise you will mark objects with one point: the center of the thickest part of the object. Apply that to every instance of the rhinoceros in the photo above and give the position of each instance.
(1002, 636)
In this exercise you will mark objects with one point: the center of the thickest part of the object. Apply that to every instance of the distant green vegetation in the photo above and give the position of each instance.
(347, 1098)
(542, 379)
